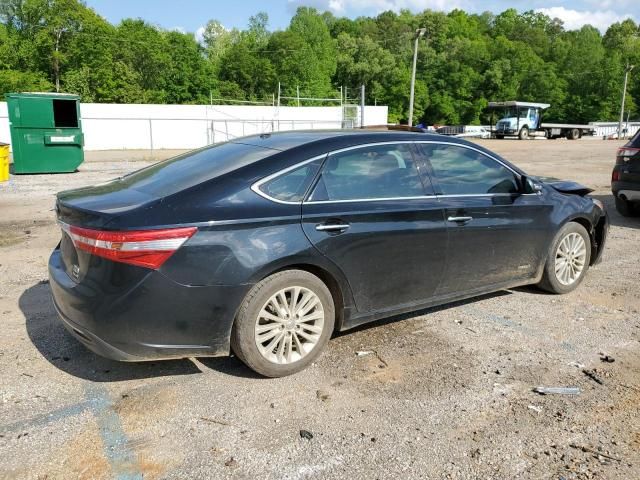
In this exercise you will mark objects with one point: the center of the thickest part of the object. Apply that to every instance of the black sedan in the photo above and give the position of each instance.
(266, 245)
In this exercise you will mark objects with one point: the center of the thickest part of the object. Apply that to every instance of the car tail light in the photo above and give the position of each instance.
(626, 153)
(144, 248)
(615, 176)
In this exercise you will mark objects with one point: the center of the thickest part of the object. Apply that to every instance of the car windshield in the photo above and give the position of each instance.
(178, 173)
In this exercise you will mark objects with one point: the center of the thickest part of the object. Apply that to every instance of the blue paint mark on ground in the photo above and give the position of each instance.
(121, 458)
(45, 418)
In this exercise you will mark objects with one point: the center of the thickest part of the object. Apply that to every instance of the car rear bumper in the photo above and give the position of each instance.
(93, 342)
(628, 190)
(631, 195)
(152, 318)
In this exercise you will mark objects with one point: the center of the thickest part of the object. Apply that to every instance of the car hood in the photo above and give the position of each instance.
(566, 186)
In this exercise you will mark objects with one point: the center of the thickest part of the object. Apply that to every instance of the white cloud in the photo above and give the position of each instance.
(200, 34)
(575, 19)
(346, 7)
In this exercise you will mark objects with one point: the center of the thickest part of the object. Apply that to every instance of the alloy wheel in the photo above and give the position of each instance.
(571, 256)
(289, 325)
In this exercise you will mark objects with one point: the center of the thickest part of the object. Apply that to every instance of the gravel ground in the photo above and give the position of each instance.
(446, 393)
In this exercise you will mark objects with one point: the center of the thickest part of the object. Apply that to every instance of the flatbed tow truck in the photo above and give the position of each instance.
(524, 120)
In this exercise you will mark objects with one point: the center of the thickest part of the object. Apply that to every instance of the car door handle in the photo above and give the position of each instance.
(460, 219)
(332, 227)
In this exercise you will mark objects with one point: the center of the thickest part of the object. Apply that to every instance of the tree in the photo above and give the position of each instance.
(464, 61)
(244, 65)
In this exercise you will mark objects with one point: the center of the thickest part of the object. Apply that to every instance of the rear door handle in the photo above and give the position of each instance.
(332, 227)
(460, 219)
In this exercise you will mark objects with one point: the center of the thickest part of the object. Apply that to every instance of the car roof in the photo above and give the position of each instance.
(296, 138)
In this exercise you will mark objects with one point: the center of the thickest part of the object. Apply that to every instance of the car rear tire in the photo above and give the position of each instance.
(625, 207)
(500, 137)
(524, 133)
(284, 323)
(568, 259)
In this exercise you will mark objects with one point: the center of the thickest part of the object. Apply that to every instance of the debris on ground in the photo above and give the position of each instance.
(231, 462)
(322, 395)
(594, 451)
(306, 434)
(213, 420)
(557, 390)
(592, 375)
(362, 353)
(607, 359)
(535, 409)
(576, 364)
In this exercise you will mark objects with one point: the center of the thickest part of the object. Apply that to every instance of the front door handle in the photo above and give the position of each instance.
(460, 219)
(332, 227)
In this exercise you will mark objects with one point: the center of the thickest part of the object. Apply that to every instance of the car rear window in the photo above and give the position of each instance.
(185, 171)
(635, 141)
(293, 184)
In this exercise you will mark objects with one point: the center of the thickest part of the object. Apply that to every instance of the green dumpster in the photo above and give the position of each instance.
(46, 132)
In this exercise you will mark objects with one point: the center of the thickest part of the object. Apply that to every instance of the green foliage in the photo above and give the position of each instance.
(464, 61)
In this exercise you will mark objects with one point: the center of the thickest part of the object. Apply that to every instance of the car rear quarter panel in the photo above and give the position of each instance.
(248, 238)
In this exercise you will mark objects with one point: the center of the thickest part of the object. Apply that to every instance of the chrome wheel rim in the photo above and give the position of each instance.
(570, 258)
(289, 325)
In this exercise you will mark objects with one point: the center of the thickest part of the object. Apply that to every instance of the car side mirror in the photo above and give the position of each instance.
(531, 186)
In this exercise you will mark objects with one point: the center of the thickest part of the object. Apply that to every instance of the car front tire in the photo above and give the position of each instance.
(524, 133)
(284, 323)
(568, 259)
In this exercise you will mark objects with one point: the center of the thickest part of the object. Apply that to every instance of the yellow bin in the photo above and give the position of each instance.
(4, 162)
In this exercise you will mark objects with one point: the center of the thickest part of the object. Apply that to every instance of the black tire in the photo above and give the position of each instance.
(625, 207)
(574, 134)
(499, 137)
(524, 133)
(243, 341)
(550, 281)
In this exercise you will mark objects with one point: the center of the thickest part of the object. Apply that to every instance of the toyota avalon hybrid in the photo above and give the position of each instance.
(267, 245)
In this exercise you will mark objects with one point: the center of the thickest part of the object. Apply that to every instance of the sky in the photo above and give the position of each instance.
(192, 15)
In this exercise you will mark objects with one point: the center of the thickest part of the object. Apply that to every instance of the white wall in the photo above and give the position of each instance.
(604, 129)
(5, 135)
(115, 126)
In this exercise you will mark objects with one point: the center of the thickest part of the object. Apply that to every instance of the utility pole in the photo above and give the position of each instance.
(627, 69)
(362, 106)
(419, 33)
(278, 94)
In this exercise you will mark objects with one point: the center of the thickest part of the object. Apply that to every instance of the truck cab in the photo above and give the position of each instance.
(516, 118)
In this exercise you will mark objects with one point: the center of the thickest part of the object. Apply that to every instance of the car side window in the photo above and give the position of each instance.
(462, 171)
(292, 185)
(367, 173)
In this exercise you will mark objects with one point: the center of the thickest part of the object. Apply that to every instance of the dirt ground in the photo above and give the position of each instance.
(447, 393)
